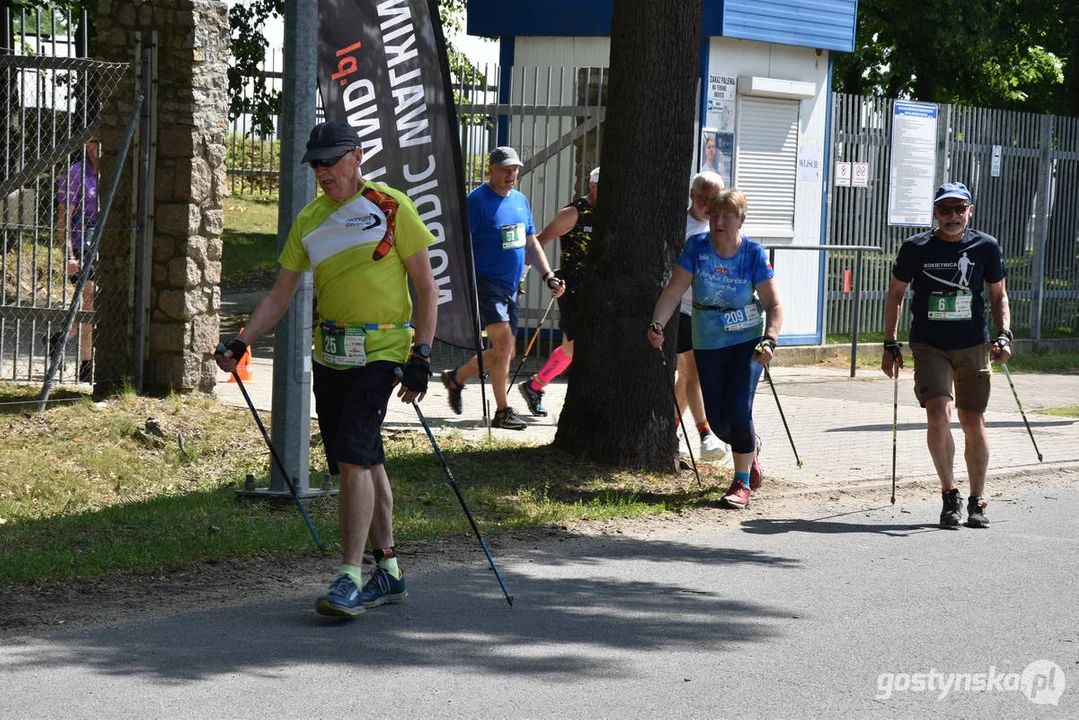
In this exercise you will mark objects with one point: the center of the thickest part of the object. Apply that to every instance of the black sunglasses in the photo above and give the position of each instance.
(946, 210)
(327, 163)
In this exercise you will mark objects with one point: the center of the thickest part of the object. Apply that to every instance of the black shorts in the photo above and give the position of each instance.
(685, 333)
(567, 315)
(351, 405)
(497, 303)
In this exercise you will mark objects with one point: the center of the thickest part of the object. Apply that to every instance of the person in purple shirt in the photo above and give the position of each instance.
(76, 217)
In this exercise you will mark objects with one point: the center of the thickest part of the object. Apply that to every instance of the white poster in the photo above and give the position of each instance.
(810, 163)
(861, 175)
(719, 103)
(913, 170)
(842, 174)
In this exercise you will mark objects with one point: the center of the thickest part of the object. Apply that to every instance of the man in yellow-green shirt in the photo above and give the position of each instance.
(362, 241)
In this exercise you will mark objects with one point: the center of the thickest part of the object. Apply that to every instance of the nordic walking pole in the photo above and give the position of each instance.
(265, 436)
(782, 417)
(1029, 432)
(895, 427)
(453, 484)
(678, 410)
(528, 349)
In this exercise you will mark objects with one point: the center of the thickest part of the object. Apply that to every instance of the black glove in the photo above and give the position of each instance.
(766, 342)
(236, 345)
(417, 370)
(1003, 342)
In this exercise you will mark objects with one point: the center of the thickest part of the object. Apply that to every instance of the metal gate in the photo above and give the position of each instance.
(50, 107)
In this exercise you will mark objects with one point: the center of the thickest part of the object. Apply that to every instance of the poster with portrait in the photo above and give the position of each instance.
(717, 152)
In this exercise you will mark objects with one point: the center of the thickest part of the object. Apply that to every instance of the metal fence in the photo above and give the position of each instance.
(554, 116)
(1030, 204)
(50, 107)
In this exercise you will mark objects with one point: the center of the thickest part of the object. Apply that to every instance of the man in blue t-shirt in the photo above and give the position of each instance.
(946, 268)
(502, 235)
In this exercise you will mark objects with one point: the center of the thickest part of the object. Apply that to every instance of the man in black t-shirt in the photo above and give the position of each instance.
(946, 268)
(573, 224)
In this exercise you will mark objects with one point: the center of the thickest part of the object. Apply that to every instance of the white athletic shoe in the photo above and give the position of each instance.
(712, 447)
(683, 446)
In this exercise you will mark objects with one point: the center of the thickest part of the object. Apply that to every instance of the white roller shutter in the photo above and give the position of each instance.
(766, 168)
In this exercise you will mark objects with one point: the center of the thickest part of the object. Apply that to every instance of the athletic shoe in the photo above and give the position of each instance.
(453, 389)
(508, 419)
(343, 599)
(952, 512)
(381, 589)
(712, 448)
(534, 398)
(683, 446)
(976, 513)
(737, 496)
(756, 475)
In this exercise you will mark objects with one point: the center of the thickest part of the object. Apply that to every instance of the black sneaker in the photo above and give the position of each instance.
(952, 513)
(976, 513)
(507, 419)
(453, 389)
(534, 398)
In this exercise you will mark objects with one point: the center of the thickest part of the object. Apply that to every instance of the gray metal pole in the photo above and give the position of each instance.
(145, 233)
(1041, 225)
(856, 287)
(291, 409)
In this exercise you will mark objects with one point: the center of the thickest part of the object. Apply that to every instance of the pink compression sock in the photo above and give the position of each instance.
(558, 362)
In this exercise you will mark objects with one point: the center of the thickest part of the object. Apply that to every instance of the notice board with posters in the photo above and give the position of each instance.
(914, 160)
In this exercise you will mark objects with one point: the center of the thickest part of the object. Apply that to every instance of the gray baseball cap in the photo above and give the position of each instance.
(504, 156)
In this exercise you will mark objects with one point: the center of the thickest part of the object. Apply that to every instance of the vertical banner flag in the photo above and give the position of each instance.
(383, 69)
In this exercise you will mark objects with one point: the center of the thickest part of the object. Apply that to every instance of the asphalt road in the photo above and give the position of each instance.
(845, 616)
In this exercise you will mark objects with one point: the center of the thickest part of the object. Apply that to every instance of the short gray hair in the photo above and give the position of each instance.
(705, 178)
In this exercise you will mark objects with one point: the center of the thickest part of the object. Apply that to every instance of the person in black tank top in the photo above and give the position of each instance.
(573, 224)
(947, 269)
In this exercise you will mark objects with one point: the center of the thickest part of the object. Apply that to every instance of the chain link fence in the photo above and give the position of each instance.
(51, 163)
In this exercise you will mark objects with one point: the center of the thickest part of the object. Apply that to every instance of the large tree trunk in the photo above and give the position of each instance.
(619, 408)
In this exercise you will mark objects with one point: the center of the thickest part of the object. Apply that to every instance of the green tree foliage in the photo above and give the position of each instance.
(1008, 54)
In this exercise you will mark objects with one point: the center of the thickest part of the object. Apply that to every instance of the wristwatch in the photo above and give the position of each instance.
(423, 350)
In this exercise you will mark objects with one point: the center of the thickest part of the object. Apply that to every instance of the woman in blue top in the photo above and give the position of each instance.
(736, 320)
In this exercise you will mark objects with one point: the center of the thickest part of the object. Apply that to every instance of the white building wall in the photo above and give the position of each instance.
(544, 74)
(797, 271)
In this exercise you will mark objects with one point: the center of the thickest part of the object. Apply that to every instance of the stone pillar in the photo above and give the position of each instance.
(188, 194)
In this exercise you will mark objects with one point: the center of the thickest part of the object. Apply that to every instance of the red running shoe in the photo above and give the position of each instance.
(737, 496)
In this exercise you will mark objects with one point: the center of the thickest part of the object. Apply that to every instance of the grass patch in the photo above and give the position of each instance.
(249, 244)
(1066, 411)
(88, 489)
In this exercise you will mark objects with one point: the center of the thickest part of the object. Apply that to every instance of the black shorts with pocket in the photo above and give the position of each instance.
(351, 405)
(685, 333)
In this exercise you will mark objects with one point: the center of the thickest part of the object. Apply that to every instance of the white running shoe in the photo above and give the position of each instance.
(683, 446)
(712, 448)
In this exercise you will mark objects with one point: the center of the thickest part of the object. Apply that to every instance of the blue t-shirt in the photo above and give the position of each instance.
(726, 310)
(500, 227)
(947, 279)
